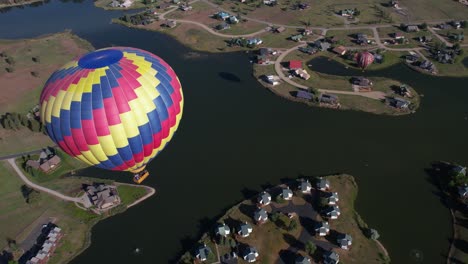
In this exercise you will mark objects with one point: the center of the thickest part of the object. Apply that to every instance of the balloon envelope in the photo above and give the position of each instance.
(113, 108)
(364, 59)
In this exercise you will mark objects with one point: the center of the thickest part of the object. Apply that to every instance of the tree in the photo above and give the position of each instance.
(463, 24)
(423, 26)
(292, 225)
(310, 248)
(456, 46)
(356, 12)
(274, 217)
(402, 26)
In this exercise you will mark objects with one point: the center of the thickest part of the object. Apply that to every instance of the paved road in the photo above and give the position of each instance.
(21, 154)
(81, 200)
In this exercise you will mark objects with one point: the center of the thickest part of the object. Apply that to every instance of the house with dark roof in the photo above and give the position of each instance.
(331, 257)
(305, 186)
(322, 228)
(330, 99)
(345, 241)
(170, 23)
(102, 196)
(202, 252)
(361, 81)
(300, 259)
(264, 199)
(333, 212)
(222, 230)
(321, 45)
(304, 95)
(229, 258)
(463, 191)
(244, 229)
(398, 35)
(403, 90)
(222, 15)
(286, 194)
(250, 254)
(332, 198)
(260, 216)
(323, 184)
(399, 103)
(457, 169)
(222, 26)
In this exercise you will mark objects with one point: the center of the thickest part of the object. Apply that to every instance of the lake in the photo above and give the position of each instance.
(236, 137)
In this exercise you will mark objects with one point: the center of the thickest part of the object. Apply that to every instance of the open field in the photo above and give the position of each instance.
(433, 9)
(201, 12)
(31, 61)
(20, 217)
(348, 38)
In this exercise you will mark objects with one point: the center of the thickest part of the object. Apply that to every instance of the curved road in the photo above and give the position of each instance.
(82, 200)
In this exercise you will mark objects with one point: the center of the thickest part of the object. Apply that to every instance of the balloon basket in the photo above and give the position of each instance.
(140, 177)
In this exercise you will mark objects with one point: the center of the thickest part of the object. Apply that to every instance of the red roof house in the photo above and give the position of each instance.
(295, 64)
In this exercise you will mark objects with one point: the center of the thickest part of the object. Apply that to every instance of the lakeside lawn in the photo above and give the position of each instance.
(128, 194)
(31, 62)
(457, 69)
(274, 240)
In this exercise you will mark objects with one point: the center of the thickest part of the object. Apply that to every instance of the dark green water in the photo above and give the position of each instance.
(236, 137)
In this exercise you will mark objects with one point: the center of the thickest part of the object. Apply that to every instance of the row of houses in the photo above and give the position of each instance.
(45, 245)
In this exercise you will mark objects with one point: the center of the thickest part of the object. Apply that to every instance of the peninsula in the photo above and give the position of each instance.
(308, 220)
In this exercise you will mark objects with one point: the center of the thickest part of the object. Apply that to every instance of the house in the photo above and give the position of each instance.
(412, 58)
(223, 26)
(264, 51)
(395, 4)
(442, 26)
(361, 81)
(102, 196)
(222, 15)
(286, 194)
(457, 37)
(202, 252)
(303, 6)
(304, 95)
(170, 23)
(305, 186)
(399, 103)
(264, 199)
(262, 59)
(229, 258)
(455, 24)
(272, 79)
(412, 28)
(459, 170)
(330, 257)
(424, 39)
(309, 50)
(297, 37)
(345, 241)
(307, 31)
(279, 29)
(463, 191)
(250, 254)
(322, 228)
(222, 230)
(347, 12)
(333, 198)
(302, 260)
(323, 184)
(244, 229)
(47, 161)
(269, 2)
(295, 65)
(302, 73)
(329, 99)
(332, 39)
(233, 20)
(253, 41)
(333, 212)
(403, 90)
(260, 215)
(321, 45)
(426, 65)
(340, 50)
(398, 35)
(185, 7)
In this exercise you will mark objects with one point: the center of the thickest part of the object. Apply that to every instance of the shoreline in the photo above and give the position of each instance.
(23, 3)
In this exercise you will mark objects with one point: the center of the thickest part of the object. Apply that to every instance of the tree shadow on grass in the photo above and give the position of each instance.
(247, 210)
(308, 224)
(293, 242)
(287, 256)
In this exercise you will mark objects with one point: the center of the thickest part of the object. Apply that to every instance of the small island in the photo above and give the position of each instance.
(308, 220)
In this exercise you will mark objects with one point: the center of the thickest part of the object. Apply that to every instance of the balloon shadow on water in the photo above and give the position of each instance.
(229, 77)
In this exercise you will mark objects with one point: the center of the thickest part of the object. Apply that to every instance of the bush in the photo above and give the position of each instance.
(310, 248)
(279, 199)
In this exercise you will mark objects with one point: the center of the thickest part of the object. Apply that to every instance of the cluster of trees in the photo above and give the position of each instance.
(142, 18)
(457, 179)
(9, 60)
(283, 221)
(15, 121)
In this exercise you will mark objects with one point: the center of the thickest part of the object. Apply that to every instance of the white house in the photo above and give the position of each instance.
(222, 229)
(333, 198)
(322, 228)
(305, 186)
(334, 212)
(345, 241)
(250, 254)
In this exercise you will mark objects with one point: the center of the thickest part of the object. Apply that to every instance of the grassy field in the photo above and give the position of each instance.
(129, 194)
(271, 239)
(445, 33)
(347, 37)
(433, 9)
(19, 217)
(21, 90)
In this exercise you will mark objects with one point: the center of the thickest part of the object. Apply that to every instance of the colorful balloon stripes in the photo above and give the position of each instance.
(114, 108)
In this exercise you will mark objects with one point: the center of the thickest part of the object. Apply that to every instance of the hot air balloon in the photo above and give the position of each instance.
(364, 59)
(114, 108)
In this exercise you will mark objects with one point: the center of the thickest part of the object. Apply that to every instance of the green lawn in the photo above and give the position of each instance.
(129, 194)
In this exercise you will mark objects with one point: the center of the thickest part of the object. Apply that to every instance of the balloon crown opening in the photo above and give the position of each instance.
(100, 58)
